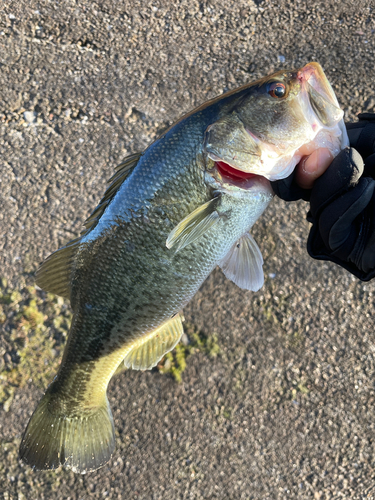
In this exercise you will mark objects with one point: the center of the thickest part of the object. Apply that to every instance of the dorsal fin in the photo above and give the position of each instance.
(122, 172)
(54, 274)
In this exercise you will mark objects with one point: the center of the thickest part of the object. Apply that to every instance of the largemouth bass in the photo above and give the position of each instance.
(170, 215)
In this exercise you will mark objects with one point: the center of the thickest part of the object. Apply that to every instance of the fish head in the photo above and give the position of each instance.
(268, 126)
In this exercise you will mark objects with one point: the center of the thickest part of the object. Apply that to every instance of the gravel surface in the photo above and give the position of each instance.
(286, 410)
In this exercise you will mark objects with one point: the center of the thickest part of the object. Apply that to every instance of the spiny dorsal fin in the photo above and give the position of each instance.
(54, 274)
(122, 172)
(149, 350)
(194, 225)
(243, 264)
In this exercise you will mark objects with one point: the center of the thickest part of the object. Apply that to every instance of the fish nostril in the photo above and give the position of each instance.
(307, 72)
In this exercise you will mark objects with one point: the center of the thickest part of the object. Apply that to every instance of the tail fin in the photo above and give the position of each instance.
(82, 443)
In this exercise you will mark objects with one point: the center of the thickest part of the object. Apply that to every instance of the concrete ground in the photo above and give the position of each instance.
(286, 409)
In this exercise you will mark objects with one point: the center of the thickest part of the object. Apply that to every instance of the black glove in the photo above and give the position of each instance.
(342, 204)
(342, 213)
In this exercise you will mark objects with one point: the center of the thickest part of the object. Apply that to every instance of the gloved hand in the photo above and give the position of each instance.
(342, 204)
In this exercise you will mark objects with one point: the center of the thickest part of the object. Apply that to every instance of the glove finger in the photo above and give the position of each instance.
(342, 174)
(370, 166)
(287, 189)
(357, 252)
(336, 220)
(368, 256)
(366, 116)
(362, 135)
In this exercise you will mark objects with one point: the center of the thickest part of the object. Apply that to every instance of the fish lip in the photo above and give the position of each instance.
(318, 90)
(313, 74)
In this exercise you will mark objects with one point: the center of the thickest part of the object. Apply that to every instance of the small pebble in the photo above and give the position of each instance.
(185, 339)
(29, 116)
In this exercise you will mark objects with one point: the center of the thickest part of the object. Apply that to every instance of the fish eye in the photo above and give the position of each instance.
(276, 89)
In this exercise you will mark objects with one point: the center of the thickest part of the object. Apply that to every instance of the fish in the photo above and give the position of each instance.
(170, 215)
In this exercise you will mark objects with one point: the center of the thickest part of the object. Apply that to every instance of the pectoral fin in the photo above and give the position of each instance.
(148, 350)
(243, 264)
(194, 225)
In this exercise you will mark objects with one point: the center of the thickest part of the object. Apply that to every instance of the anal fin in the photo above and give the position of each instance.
(149, 349)
(243, 264)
